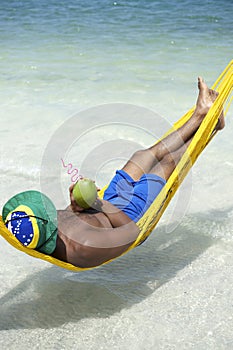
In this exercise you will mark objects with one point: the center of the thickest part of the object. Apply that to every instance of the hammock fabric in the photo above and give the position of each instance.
(224, 85)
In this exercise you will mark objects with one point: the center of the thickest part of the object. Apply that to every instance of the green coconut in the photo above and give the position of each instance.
(85, 193)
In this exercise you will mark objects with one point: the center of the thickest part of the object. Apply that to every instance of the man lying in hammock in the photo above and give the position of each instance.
(87, 238)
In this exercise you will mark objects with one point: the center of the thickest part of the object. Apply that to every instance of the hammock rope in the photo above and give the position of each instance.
(224, 86)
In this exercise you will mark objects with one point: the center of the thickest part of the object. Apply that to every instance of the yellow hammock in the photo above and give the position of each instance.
(224, 85)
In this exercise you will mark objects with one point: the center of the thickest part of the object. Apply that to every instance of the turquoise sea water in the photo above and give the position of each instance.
(69, 52)
(59, 58)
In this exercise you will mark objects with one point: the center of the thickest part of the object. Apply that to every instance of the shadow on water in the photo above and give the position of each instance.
(53, 296)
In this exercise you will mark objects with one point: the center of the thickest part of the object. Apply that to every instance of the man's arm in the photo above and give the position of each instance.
(115, 242)
(116, 217)
(88, 246)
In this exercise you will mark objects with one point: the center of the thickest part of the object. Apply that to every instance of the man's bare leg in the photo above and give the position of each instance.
(144, 161)
(165, 167)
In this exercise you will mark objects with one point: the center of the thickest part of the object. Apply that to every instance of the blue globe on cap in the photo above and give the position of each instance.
(32, 218)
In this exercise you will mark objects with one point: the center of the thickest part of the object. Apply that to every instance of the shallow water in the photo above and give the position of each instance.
(126, 61)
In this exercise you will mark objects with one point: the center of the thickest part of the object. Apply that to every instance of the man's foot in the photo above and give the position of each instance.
(205, 100)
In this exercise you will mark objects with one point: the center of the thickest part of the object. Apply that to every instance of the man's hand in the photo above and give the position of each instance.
(73, 205)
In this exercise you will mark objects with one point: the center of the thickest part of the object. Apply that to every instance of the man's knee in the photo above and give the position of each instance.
(139, 153)
(146, 154)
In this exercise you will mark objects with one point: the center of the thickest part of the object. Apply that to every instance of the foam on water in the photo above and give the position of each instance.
(57, 59)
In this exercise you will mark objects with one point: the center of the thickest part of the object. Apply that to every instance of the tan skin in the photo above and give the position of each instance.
(88, 238)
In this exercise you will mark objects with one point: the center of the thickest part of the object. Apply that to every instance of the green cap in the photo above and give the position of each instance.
(32, 218)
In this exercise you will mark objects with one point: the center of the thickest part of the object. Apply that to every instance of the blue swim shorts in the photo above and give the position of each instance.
(133, 197)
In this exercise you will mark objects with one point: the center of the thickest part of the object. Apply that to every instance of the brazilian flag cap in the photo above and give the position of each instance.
(32, 218)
